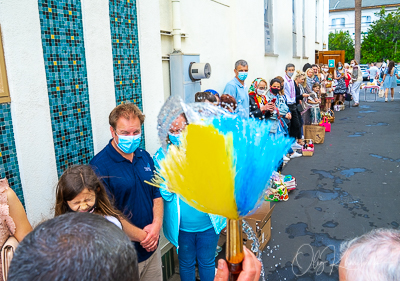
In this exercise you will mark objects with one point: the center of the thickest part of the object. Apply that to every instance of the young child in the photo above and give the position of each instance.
(314, 102)
(329, 92)
(80, 190)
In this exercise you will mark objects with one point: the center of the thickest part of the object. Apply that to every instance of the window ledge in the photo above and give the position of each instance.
(296, 57)
(5, 99)
(305, 58)
(271, 55)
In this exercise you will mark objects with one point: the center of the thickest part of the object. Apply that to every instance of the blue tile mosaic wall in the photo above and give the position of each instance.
(125, 48)
(64, 56)
(8, 154)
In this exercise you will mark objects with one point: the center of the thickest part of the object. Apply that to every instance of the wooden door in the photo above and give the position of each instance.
(330, 57)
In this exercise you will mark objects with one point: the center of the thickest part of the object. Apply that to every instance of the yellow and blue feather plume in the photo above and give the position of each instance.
(224, 164)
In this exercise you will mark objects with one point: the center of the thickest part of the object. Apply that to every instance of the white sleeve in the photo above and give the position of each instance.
(114, 220)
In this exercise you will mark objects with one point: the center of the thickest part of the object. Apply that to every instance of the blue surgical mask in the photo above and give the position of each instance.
(339, 67)
(242, 76)
(175, 139)
(128, 144)
(290, 74)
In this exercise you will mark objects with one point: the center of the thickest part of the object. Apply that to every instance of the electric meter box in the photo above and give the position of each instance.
(185, 84)
(199, 71)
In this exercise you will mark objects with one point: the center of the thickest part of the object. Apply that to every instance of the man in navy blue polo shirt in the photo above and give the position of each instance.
(124, 168)
(238, 89)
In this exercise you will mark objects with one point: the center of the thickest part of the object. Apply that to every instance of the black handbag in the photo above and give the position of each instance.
(348, 97)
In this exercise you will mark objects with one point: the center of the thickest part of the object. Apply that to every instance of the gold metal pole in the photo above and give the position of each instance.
(234, 248)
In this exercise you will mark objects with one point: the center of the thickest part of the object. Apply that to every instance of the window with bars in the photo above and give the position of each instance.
(294, 33)
(340, 22)
(365, 20)
(268, 27)
(316, 19)
(303, 28)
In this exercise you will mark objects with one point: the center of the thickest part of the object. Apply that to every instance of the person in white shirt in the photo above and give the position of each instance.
(373, 72)
(290, 93)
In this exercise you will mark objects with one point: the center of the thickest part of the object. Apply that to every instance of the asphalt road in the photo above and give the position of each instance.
(349, 187)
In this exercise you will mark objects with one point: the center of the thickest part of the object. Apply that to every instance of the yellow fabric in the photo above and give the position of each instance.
(202, 171)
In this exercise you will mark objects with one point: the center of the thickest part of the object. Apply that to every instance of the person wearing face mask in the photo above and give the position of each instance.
(357, 78)
(124, 169)
(195, 234)
(290, 93)
(259, 107)
(281, 109)
(238, 89)
(339, 76)
(329, 92)
(324, 90)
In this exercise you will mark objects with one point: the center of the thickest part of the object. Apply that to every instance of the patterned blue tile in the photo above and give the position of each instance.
(8, 155)
(65, 64)
(125, 48)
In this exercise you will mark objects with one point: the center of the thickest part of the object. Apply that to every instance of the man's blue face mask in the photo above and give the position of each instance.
(128, 144)
(242, 75)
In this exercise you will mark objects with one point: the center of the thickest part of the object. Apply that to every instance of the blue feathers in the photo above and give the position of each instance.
(257, 153)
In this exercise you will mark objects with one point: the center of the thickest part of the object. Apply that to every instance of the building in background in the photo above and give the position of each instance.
(66, 64)
(341, 14)
(267, 33)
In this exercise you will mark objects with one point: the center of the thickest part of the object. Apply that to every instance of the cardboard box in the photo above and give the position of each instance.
(260, 222)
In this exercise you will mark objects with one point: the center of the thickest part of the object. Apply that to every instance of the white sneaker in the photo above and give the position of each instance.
(285, 158)
(296, 146)
(295, 155)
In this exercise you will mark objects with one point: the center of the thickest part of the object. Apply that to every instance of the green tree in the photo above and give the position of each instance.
(380, 43)
(341, 40)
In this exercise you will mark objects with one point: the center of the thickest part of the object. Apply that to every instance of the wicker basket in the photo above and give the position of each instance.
(309, 151)
(330, 117)
(339, 106)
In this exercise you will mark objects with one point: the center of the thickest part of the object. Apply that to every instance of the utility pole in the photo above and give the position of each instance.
(357, 45)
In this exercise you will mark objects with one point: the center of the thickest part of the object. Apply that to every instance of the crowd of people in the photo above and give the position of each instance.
(122, 241)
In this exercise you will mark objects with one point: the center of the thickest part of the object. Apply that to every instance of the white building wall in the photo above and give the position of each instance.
(224, 33)
(30, 112)
(150, 68)
(99, 65)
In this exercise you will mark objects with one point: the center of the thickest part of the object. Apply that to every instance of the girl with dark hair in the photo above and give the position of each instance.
(281, 109)
(80, 190)
(389, 80)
